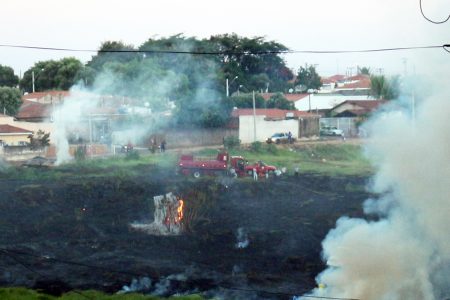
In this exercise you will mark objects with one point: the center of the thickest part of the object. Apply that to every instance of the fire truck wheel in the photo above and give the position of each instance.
(196, 174)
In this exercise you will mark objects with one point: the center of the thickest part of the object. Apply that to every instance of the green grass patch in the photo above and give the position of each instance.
(330, 159)
(28, 294)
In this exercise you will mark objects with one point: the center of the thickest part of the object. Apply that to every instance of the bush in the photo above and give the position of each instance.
(231, 142)
(256, 146)
(271, 148)
(80, 153)
(132, 155)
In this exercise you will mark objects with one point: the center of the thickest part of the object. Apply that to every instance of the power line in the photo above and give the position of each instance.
(14, 253)
(13, 257)
(69, 262)
(429, 20)
(225, 52)
(287, 294)
(445, 47)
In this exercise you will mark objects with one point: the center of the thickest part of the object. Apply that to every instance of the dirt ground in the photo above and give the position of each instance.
(76, 233)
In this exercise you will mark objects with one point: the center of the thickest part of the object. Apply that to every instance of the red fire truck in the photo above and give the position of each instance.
(222, 165)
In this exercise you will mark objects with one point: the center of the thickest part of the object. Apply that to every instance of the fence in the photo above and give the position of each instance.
(348, 125)
(19, 153)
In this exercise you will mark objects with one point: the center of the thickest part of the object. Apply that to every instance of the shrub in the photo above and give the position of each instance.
(80, 153)
(231, 142)
(132, 155)
(256, 146)
(271, 148)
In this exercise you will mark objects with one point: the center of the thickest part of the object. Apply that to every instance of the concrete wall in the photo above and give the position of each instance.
(308, 127)
(31, 126)
(20, 153)
(264, 129)
(195, 137)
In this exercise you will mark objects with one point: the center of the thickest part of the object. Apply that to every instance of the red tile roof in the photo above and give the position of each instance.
(367, 105)
(4, 128)
(34, 110)
(333, 79)
(269, 113)
(359, 77)
(40, 95)
(361, 84)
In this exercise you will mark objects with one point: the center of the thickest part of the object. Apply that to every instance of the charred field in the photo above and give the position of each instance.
(76, 233)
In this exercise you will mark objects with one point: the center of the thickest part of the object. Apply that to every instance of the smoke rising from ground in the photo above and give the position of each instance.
(406, 254)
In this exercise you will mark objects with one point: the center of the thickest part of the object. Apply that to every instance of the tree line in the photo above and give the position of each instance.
(197, 81)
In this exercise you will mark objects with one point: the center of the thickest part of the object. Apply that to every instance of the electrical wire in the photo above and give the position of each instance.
(69, 262)
(429, 20)
(445, 47)
(14, 253)
(224, 52)
(6, 252)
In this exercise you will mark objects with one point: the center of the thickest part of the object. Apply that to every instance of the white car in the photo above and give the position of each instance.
(331, 130)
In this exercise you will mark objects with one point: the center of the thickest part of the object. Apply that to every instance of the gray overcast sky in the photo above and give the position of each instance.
(300, 25)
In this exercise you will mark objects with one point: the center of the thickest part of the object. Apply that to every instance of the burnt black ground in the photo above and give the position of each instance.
(75, 232)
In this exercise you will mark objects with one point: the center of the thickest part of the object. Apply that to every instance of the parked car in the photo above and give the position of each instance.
(280, 137)
(331, 130)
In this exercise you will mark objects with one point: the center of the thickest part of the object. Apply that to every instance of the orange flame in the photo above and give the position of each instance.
(180, 210)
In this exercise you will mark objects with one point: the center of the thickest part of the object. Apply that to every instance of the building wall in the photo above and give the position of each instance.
(325, 101)
(13, 140)
(264, 129)
(31, 126)
(196, 137)
(308, 127)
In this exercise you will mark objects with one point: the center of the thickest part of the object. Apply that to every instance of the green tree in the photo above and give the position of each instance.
(385, 88)
(250, 59)
(308, 78)
(7, 77)
(10, 100)
(279, 101)
(169, 69)
(39, 139)
(246, 101)
(106, 54)
(51, 74)
(364, 71)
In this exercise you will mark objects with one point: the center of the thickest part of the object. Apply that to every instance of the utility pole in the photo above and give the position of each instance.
(32, 79)
(254, 117)
(227, 88)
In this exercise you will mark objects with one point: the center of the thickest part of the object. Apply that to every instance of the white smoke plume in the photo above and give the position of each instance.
(406, 253)
(67, 117)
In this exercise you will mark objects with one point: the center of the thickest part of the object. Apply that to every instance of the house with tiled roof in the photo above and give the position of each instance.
(346, 85)
(31, 111)
(322, 104)
(13, 136)
(356, 108)
(47, 97)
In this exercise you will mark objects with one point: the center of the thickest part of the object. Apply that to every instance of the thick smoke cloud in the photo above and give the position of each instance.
(154, 96)
(406, 253)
